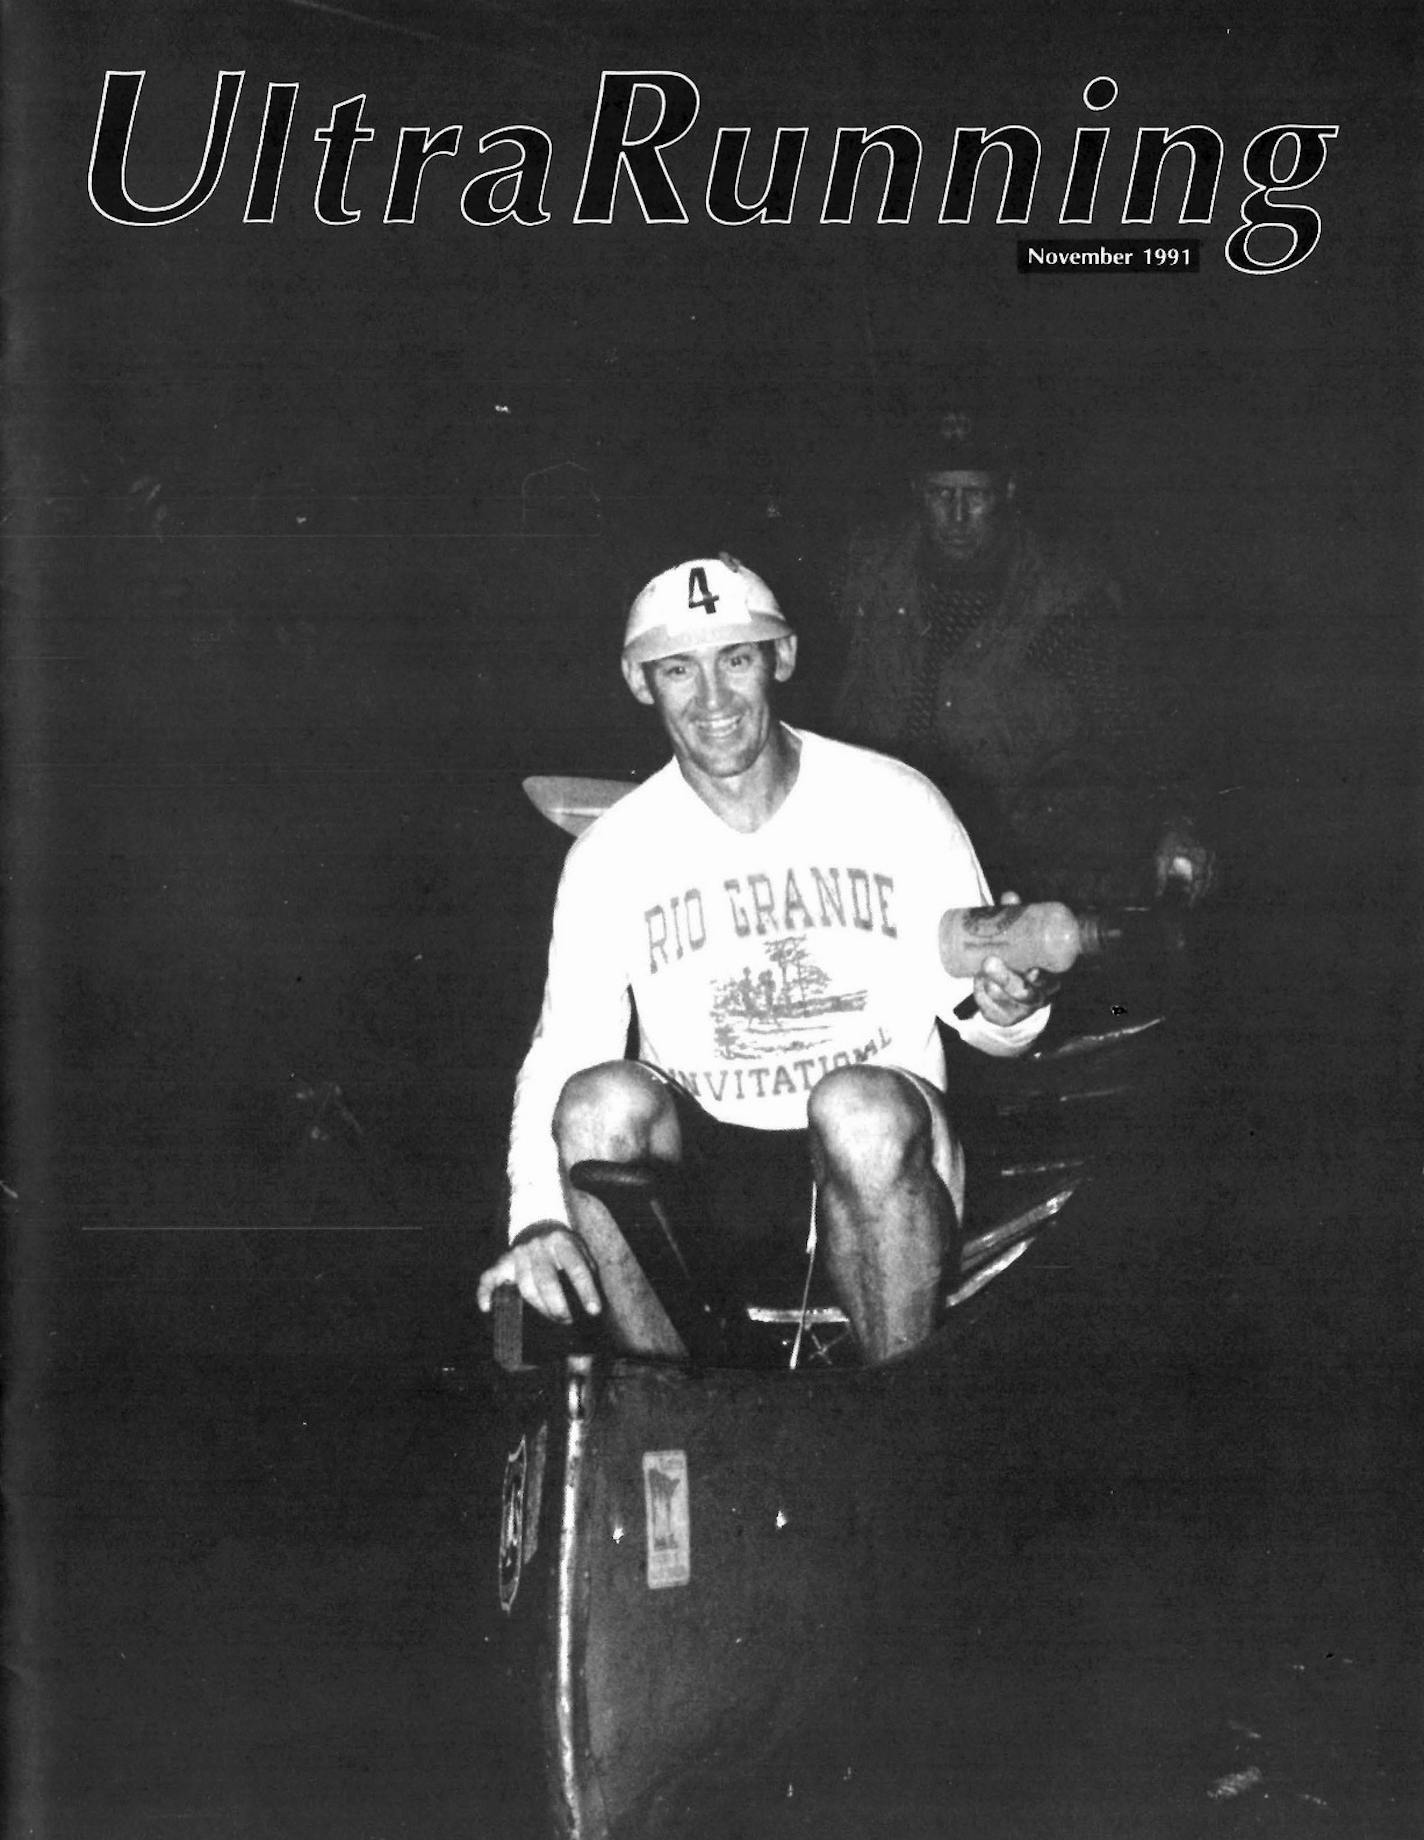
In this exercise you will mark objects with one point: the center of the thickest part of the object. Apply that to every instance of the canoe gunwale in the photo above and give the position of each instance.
(985, 1257)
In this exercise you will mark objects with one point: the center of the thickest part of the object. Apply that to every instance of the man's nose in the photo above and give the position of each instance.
(712, 689)
(959, 508)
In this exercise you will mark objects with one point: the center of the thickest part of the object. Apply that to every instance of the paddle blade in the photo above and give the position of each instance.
(573, 804)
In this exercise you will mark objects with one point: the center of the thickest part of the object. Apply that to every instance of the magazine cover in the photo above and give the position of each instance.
(922, 459)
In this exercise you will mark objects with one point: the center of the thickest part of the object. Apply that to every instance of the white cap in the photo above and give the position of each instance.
(700, 605)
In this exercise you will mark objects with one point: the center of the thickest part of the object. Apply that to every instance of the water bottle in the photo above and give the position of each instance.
(1036, 936)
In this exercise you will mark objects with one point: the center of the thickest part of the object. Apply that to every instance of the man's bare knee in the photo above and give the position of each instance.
(616, 1112)
(868, 1124)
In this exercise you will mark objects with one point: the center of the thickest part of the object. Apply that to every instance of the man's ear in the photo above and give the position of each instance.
(637, 682)
(785, 657)
(1011, 487)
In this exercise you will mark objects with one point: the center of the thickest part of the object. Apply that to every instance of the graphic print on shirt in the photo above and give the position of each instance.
(783, 1005)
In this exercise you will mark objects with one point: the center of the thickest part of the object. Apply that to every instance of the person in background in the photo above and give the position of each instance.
(1002, 667)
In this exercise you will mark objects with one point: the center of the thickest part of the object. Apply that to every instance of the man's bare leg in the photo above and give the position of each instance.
(884, 1161)
(619, 1113)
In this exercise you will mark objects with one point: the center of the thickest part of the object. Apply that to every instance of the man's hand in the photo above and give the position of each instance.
(534, 1262)
(1182, 863)
(1005, 997)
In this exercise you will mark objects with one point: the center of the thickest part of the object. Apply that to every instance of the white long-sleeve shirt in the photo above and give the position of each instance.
(754, 963)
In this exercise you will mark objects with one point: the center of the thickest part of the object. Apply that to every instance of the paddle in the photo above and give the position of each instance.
(574, 803)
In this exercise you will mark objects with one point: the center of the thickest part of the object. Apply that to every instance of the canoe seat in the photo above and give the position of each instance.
(640, 1196)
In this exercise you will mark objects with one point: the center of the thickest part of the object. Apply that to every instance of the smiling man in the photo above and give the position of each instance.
(766, 908)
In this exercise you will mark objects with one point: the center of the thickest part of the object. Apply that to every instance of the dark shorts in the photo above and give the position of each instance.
(746, 1196)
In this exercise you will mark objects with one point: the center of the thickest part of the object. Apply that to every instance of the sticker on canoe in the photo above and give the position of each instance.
(511, 1525)
(669, 1522)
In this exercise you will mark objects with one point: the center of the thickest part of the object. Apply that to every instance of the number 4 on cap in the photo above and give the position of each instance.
(698, 593)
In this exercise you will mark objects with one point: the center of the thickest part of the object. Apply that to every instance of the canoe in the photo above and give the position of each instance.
(692, 1560)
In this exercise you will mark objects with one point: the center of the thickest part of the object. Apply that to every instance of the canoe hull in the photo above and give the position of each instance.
(704, 1559)
(693, 1561)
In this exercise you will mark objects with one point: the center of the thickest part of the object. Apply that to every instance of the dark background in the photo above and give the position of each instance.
(320, 540)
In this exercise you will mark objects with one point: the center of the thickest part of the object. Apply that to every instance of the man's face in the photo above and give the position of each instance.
(965, 512)
(716, 705)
